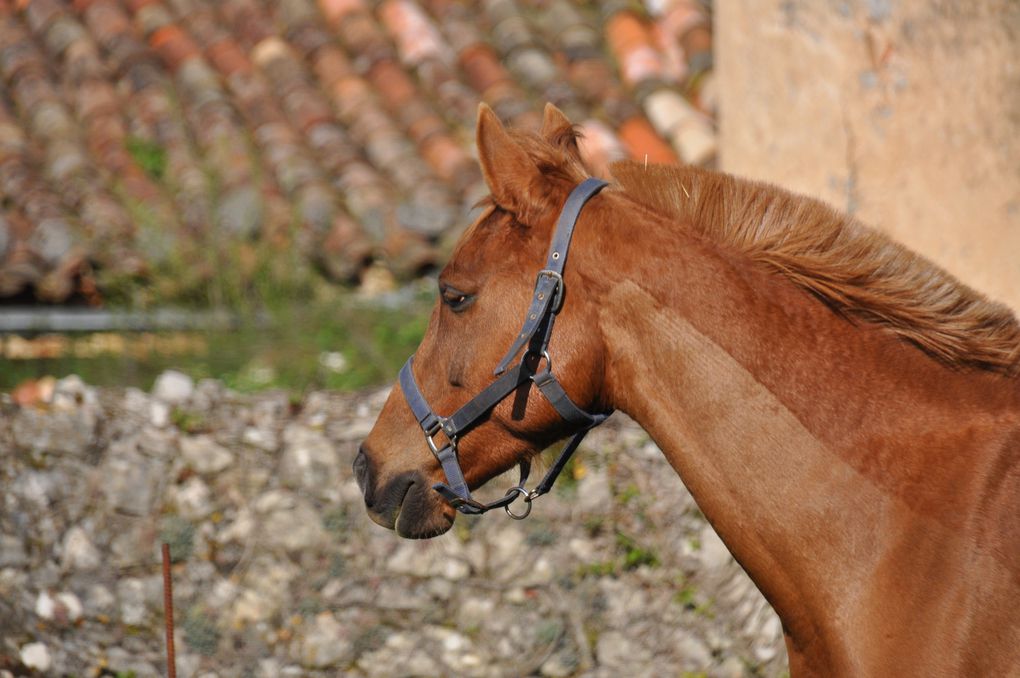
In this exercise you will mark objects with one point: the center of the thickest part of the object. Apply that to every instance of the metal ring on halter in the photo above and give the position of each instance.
(548, 361)
(527, 499)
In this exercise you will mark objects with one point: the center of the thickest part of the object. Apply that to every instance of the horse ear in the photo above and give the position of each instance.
(559, 131)
(513, 179)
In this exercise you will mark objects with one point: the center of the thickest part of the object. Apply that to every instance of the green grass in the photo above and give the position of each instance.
(634, 555)
(339, 343)
(180, 535)
(298, 330)
(689, 598)
(200, 631)
(630, 555)
(149, 155)
(603, 568)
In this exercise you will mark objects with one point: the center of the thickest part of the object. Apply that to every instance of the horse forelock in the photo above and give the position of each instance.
(856, 270)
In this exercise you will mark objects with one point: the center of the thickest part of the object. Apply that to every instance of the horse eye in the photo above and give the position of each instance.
(455, 299)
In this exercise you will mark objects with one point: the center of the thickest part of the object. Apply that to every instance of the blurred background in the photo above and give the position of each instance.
(219, 227)
(295, 166)
(280, 174)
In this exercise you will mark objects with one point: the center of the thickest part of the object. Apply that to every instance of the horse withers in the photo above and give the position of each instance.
(845, 413)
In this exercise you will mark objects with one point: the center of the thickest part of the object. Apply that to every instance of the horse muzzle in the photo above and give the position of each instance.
(403, 503)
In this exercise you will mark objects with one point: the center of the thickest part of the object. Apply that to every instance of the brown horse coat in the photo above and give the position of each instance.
(846, 414)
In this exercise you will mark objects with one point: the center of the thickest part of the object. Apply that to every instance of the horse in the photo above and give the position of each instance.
(845, 413)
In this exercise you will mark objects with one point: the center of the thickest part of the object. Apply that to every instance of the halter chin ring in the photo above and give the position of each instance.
(533, 339)
(516, 491)
(539, 356)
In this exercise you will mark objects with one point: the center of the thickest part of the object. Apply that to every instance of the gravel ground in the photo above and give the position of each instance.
(278, 571)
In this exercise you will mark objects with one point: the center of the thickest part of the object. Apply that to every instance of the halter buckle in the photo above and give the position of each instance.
(430, 433)
(558, 292)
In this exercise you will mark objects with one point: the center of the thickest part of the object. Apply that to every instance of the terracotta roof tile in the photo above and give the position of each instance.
(227, 57)
(40, 13)
(634, 48)
(335, 10)
(392, 83)
(677, 120)
(413, 32)
(599, 147)
(482, 68)
(173, 46)
(228, 119)
(362, 36)
(641, 141)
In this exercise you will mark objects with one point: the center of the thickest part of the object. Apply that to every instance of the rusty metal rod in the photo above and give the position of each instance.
(168, 613)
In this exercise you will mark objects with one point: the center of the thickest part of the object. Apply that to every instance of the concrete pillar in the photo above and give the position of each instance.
(905, 113)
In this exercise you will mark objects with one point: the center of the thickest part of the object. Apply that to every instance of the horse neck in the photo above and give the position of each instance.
(811, 444)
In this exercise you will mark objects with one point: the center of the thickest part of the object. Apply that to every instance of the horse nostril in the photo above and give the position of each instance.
(360, 467)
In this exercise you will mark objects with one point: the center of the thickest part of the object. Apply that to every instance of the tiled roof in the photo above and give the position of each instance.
(135, 132)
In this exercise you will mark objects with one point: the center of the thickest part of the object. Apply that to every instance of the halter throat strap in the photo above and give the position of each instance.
(535, 334)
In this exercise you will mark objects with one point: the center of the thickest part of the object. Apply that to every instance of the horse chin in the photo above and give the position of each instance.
(423, 516)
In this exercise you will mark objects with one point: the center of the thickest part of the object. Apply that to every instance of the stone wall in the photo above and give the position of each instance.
(904, 112)
(279, 572)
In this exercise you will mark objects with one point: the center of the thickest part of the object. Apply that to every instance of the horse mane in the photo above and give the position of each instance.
(859, 272)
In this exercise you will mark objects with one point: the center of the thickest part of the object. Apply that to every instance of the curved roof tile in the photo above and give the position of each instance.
(131, 130)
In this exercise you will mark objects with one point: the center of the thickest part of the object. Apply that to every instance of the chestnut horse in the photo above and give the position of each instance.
(845, 413)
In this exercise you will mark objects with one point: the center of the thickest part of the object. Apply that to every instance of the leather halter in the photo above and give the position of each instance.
(535, 334)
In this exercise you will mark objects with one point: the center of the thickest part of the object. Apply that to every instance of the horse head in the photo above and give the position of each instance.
(484, 291)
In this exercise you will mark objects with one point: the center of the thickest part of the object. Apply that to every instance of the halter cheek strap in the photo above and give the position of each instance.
(535, 335)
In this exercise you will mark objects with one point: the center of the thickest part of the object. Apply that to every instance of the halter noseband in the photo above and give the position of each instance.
(535, 334)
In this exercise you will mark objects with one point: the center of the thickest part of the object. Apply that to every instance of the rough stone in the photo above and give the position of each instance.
(128, 663)
(159, 414)
(326, 643)
(173, 387)
(616, 650)
(294, 528)
(267, 590)
(593, 491)
(12, 551)
(130, 480)
(100, 600)
(309, 461)
(560, 664)
(78, 552)
(456, 651)
(713, 553)
(54, 432)
(292, 571)
(261, 438)
(131, 595)
(411, 558)
(71, 604)
(71, 394)
(36, 656)
(39, 488)
(204, 454)
(401, 654)
(192, 499)
(695, 655)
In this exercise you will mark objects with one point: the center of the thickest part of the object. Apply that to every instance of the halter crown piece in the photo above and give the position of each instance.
(535, 334)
